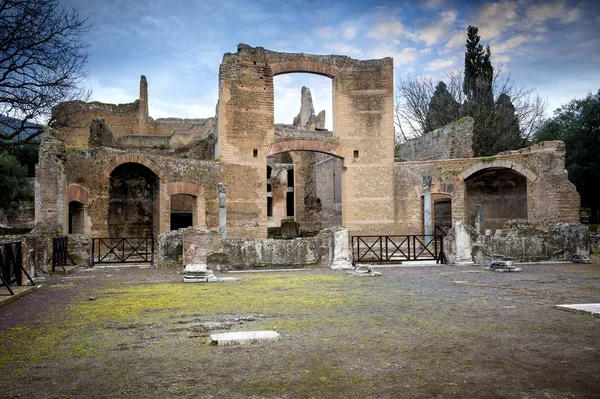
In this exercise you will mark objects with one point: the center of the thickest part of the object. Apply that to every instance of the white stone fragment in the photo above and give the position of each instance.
(463, 245)
(341, 255)
(591, 308)
(242, 337)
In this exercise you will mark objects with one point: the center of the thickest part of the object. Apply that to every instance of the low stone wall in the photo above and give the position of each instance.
(527, 244)
(276, 254)
(170, 248)
(197, 245)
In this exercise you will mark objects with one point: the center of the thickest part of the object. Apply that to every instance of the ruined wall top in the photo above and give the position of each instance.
(327, 65)
(454, 140)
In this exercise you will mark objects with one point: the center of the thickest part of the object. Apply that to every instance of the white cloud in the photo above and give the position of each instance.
(433, 4)
(456, 42)
(407, 55)
(325, 32)
(391, 29)
(349, 33)
(495, 18)
(345, 49)
(125, 91)
(542, 13)
(439, 64)
(438, 30)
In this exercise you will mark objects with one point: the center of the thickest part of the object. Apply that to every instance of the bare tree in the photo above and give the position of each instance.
(42, 62)
(413, 98)
(413, 95)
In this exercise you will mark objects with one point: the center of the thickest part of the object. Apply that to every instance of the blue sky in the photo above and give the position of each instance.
(552, 46)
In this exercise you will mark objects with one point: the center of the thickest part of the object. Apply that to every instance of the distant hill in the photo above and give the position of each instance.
(9, 125)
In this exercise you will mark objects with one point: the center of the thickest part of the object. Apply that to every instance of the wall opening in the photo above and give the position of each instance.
(442, 214)
(279, 188)
(182, 211)
(288, 97)
(76, 217)
(133, 202)
(502, 193)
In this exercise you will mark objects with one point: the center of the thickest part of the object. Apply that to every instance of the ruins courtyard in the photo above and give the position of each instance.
(429, 331)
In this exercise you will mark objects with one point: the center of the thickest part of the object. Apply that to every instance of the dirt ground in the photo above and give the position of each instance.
(415, 332)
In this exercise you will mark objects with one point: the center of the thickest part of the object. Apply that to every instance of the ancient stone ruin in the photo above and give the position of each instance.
(113, 171)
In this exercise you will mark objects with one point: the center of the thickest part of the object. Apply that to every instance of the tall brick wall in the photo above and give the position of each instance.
(362, 127)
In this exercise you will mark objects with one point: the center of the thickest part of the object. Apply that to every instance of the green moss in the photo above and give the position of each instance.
(488, 159)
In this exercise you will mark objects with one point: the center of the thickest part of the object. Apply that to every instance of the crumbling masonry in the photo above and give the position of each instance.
(111, 170)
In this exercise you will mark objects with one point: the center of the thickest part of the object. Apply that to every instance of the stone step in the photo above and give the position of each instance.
(243, 337)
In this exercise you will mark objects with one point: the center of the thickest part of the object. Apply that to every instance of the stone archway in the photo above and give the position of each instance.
(500, 193)
(134, 202)
(188, 196)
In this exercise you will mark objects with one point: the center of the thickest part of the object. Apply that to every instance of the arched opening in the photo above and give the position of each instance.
(133, 209)
(76, 217)
(182, 211)
(305, 175)
(291, 95)
(502, 194)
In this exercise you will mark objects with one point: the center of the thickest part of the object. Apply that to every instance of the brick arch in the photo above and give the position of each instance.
(305, 145)
(181, 187)
(133, 158)
(196, 191)
(499, 163)
(75, 192)
(319, 68)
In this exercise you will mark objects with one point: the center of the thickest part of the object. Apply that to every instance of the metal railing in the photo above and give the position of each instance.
(122, 250)
(60, 254)
(401, 248)
(11, 265)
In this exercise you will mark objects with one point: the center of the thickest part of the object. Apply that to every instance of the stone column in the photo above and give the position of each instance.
(222, 211)
(427, 205)
(478, 217)
(341, 253)
(463, 245)
(143, 107)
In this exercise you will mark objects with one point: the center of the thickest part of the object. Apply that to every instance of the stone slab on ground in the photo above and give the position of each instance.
(589, 308)
(242, 337)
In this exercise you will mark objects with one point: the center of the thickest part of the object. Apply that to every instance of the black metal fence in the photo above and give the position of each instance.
(11, 265)
(60, 254)
(376, 249)
(122, 250)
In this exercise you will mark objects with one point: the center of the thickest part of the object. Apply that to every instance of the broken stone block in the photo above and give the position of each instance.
(242, 337)
(363, 271)
(101, 135)
(198, 273)
(581, 259)
(289, 229)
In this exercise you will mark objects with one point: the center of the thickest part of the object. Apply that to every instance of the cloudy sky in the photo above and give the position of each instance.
(552, 46)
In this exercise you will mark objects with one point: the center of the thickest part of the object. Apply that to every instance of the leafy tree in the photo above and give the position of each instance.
(577, 124)
(443, 108)
(479, 73)
(505, 116)
(41, 64)
(13, 184)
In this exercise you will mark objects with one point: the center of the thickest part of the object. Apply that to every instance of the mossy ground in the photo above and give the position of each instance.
(415, 332)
